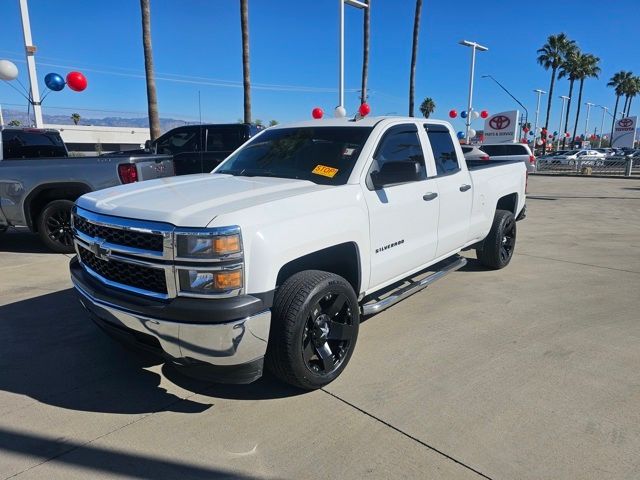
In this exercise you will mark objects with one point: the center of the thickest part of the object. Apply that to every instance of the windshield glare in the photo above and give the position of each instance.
(324, 155)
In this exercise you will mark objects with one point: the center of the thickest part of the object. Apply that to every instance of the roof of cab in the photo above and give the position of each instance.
(350, 122)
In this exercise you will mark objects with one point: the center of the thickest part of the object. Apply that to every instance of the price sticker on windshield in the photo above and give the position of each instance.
(325, 171)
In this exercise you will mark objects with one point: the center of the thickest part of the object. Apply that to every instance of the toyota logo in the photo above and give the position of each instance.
(625, 122)
(499, 122)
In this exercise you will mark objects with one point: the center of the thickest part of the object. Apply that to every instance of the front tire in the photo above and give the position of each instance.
(54, 226)
(314, 329)
(497, 249)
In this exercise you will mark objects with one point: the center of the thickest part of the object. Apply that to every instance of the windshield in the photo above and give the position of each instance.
(324, 155)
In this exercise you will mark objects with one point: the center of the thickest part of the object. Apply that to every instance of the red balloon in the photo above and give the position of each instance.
(76, 81)
(567, 134)
(484, 114)
(317, 113)
(525, 129)
(453, 113)
(364, 109)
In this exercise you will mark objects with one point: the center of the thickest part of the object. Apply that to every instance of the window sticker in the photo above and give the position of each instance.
(325, 171)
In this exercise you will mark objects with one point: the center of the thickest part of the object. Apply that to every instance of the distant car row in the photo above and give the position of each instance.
(586, 156)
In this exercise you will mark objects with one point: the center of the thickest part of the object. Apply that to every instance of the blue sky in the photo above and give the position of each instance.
(294, 54)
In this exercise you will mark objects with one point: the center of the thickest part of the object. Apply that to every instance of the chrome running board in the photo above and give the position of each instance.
(404, 292)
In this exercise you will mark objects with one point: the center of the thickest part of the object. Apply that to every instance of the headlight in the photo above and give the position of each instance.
(210, 281)
(208, 245)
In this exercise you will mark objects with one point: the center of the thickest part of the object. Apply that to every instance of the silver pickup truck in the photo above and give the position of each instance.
(39, 181)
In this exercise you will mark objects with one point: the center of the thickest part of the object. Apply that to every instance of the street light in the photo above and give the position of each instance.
(526, 112)
(564, 100)
(604, 109)
(586, 123)
(535, 128)
(474, 46)
(340, 110)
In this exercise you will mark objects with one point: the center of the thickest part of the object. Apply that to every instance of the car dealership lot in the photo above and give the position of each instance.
(531, 372)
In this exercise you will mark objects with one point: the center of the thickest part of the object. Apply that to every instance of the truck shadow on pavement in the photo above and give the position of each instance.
(22, 241)
(54, 354)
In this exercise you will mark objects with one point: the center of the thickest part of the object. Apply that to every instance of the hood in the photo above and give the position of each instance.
(192, 200)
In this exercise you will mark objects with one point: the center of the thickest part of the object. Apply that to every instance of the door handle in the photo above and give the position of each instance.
(429, 196)
(465, 187)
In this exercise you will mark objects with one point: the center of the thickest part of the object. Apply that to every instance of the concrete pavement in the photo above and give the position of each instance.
(529, 372)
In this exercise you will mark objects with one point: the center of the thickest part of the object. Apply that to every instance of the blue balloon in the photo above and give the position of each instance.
(531, 132)
(463, 114)
(461, 135)
(54, 82)
(555, 134)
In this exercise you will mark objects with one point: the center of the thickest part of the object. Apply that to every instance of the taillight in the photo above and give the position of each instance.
(484, 157)
(532, 159)
(127, 173)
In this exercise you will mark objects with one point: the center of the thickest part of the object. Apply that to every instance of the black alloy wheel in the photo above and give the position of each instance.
(328, 334)
(508, 239)
(497, 248)
(54, 226)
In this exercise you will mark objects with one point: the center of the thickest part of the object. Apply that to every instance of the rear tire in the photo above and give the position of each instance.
(497, 249)
(54, 226)
(314, 328)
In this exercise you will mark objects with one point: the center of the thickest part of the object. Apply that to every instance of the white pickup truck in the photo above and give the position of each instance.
(278, 252)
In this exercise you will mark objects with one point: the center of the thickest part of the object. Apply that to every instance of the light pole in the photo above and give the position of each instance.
(604, 109)
(340, 110)
(535, 128)
(526, 112)
(474, 46)
(586, 123)
(564, 101)
(30, 50)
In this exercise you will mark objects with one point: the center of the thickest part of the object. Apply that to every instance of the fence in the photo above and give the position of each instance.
(614, 166)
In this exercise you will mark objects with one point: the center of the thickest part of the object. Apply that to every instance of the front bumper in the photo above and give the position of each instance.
(234, 350)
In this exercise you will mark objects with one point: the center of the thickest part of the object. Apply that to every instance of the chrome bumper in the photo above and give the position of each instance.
(224, 344)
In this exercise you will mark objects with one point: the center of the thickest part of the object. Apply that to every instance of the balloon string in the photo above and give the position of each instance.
(17, 90)
(23, 87)
(45, 95)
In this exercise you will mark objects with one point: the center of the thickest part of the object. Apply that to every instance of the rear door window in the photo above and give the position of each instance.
(21, 144)
(223, 139)
(444, 151)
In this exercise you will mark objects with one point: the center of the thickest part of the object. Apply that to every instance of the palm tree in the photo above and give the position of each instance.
(152, 98)
(76, 118)
(587, 67)
(14, 123)
(617, 82)
(631, 89)
(246, 83)
(552, 56)
(365, 52)
(569, 69)
(414, 55)
(427, 107)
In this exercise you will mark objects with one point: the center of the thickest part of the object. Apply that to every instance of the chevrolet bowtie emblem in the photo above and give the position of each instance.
(99, 250)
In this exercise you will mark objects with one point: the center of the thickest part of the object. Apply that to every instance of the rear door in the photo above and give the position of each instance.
(221, 142)
(454, 189)
(403, 217)
(185, 144)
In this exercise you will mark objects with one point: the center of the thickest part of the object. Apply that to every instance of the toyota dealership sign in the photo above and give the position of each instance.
(624, 132)
(501, 127)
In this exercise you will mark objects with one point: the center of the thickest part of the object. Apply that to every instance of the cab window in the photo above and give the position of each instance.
(444, 151)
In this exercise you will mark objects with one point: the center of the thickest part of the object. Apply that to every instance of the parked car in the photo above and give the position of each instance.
(39, 182)
(282, 249)
(571, 157)
(511, 151)
(473, 153)
(201, 148)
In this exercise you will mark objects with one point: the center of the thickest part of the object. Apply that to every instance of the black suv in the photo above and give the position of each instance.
(200, 148)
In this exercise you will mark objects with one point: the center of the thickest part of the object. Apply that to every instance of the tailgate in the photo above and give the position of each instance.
(154, 167)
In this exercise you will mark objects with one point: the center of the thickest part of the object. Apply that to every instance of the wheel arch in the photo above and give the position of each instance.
(508, 202)
(35, 202)
(342, 259)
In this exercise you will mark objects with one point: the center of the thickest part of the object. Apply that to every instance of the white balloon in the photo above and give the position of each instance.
(340, 112)
(475, 115)
(472, 133)
(8, 70)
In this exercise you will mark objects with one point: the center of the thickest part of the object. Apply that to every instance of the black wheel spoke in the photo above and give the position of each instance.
(308, 351)
(336, 305)
(326, 357)
(340, 331)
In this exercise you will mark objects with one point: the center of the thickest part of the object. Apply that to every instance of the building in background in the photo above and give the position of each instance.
(89, 140)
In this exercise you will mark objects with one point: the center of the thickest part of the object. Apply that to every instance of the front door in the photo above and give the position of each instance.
(403, 217)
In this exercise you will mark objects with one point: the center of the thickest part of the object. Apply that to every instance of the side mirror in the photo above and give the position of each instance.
(393, 173)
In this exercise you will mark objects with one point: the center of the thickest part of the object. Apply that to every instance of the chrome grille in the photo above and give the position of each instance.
(118, 236)
(128, 274)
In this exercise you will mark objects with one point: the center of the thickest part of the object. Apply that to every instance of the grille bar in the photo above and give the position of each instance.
(118, 236)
